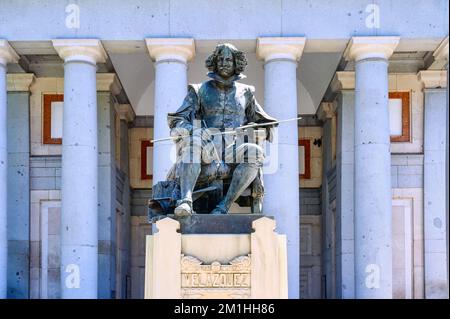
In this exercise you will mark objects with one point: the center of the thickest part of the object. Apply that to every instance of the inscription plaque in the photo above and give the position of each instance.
(215, 280)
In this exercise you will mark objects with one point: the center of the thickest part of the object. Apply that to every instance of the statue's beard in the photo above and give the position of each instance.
(225, 72)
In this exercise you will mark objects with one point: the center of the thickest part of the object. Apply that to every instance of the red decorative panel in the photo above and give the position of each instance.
(47, 116)
(144, 145)
(406, 116)
(306, 143)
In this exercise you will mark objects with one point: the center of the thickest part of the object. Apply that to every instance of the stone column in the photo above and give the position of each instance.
(343, 84)
(19, 184)
(442, 53)
(373, 206)
(435, 225)
(126, 115)
(7, 55)
(108, 86)
(79, 206)
(171, 56)
(325, 113)
(281, 198)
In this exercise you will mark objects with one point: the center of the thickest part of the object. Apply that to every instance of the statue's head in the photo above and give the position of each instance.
(226, 60)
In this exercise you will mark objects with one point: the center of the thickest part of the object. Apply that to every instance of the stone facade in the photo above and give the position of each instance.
(365, 215)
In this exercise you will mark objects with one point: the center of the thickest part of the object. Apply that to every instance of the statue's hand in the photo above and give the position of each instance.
(179, 132)
(241, 130)
(203, 133)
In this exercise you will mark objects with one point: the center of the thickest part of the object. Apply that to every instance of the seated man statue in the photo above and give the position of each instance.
(210, 111)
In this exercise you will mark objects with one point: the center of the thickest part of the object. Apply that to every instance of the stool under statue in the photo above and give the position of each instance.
(203, 246)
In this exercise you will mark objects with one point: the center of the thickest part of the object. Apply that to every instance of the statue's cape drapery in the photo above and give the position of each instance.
(190, 108)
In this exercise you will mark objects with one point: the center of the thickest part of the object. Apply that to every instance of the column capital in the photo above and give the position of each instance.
(180, 49)
(326, 110)
(361, 48)
(433, 79)
(343, 80)
(108, 82)
(19, 82)
(86, 50)
(125, 112)
(280, 48)
(7, 53)
(441, 53)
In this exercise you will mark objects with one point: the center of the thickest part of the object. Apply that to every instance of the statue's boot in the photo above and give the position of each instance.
(188, 173)
(243, 176)
(184, 208)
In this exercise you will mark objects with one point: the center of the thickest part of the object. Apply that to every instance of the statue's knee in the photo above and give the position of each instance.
(191, 153)
(254, 154)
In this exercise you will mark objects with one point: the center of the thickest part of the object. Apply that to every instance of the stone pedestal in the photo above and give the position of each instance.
(220, 257)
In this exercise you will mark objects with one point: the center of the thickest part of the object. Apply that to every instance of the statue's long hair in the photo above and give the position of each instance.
(240, 61)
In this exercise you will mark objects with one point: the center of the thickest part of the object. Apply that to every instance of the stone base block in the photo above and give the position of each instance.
(220, 257)
(217, 224)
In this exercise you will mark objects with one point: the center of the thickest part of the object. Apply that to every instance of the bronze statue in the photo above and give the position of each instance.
(207, 155)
